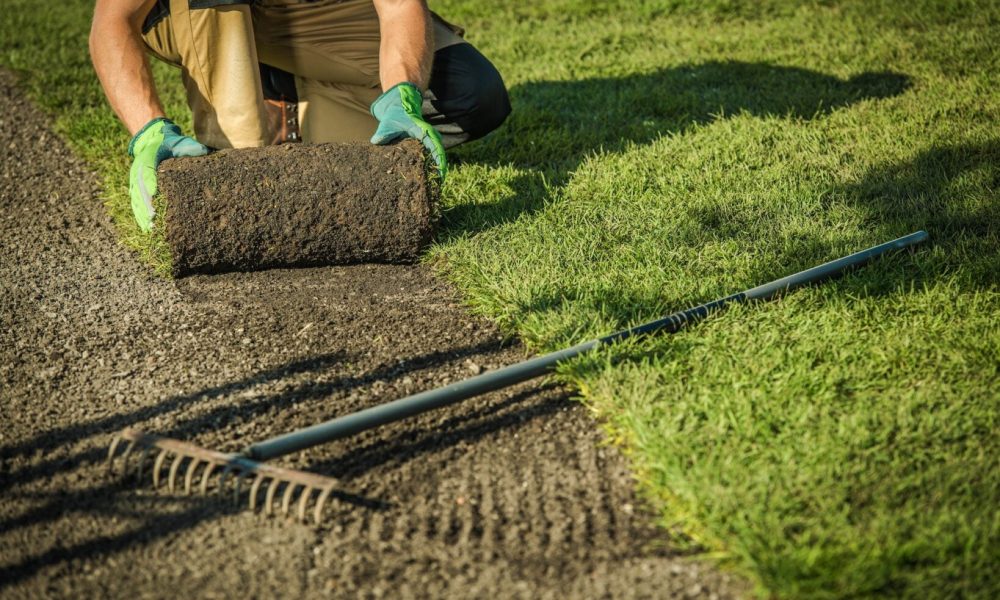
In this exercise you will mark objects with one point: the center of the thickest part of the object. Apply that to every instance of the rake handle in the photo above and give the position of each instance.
(402, 408)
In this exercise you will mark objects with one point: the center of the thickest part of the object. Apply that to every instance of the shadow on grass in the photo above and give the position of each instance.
(952, 192)
(556, 124)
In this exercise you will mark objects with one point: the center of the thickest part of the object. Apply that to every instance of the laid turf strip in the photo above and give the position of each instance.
(842, 442)
(297, 205)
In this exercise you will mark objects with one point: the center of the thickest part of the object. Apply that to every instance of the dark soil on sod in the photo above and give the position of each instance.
(511, 495)
(297, 205)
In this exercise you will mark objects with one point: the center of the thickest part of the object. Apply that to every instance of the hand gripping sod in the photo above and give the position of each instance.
(247, 470)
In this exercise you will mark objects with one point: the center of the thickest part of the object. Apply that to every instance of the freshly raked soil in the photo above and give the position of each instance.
(298, 205)
(511, 495)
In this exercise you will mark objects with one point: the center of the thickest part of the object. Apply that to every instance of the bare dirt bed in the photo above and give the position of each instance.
(511, 495)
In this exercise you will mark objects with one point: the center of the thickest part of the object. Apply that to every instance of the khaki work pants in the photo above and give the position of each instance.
(331, 46)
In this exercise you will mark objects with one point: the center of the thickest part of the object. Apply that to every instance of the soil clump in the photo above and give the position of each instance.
(512, 495)
(298, 205)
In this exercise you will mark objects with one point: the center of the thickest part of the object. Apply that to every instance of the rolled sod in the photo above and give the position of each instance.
(297, 205)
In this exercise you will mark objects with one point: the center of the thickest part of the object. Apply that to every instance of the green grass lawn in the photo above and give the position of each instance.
(843, 441)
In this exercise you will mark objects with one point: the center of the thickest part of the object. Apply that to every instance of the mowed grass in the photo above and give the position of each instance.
(839, 442)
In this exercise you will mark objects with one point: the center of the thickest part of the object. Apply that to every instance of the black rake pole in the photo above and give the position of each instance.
(396, 410)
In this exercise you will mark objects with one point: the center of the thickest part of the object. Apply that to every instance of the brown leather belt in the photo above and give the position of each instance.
(283, 118)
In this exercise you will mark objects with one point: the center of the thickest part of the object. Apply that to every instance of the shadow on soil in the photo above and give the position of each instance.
(97, 500)
(158, 516)
(467, 428)
(556, 124)
(67, 436)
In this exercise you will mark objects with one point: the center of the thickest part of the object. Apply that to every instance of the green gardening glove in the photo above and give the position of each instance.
(399, 116)
(157, 141)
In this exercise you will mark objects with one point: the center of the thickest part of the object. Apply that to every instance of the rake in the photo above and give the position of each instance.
(193, 467)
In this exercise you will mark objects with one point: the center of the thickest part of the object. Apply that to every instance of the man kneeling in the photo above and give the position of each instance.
(259, 72)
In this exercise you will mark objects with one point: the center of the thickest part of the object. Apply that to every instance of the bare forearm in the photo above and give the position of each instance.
(119, 58)
(406, 49)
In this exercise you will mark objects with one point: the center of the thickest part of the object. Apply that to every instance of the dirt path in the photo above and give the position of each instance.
(512, 495)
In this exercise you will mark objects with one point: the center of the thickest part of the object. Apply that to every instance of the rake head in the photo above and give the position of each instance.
(182, 465)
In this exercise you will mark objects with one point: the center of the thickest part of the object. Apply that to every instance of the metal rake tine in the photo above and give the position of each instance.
(125, 457)
(205, 476)
(158, 467)
(174, 466)
(303, 502)
(238, 487)
(286, 499)
(272, 487)
(254, 489)
(189, 474)
(318, 511)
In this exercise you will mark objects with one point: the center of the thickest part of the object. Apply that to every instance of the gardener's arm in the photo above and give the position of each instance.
(405, 57)
(406, 49)
(119, 57)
